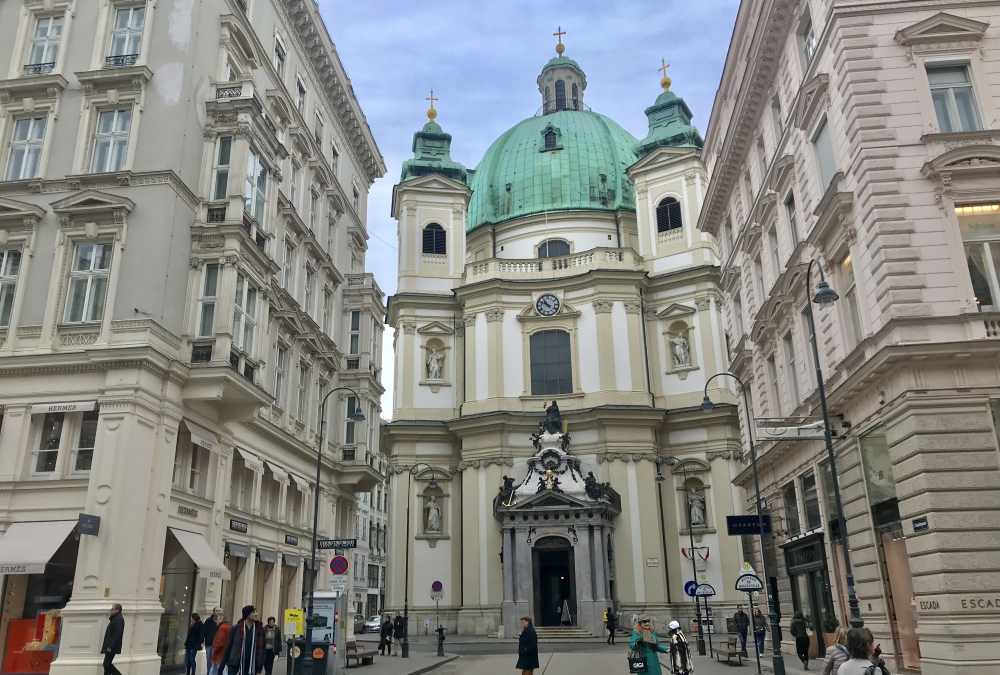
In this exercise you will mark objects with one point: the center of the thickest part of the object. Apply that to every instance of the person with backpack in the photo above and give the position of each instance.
(836, 654)
(799, 629)
(866, 656)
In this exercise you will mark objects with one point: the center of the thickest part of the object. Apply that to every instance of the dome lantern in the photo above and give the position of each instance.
(669, 120)
(561, 82)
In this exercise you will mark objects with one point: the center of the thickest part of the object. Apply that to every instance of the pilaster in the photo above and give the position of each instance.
(605, 344)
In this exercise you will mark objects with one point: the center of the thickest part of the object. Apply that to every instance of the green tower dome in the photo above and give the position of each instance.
(570, 159)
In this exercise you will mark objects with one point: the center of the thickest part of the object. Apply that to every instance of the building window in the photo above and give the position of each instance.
(244, 314)
(954, 101)
(576, 97)
(331, 236)
(355, 332)
(553, 248)
(434, 239)
(773, 385)
(318, 130)
(279, 58)
(823, 147)
(761, 158)
(352, 406)
(88, 282)
(807, 37)
(668, 215)
(980, 228)
(293, 187)
(356, 199)
(126, 37)
(111, 140)
(793, 221)
(313, 210)
(810, 500)
(280, 373)
(334, 158)
(300, 95)
(773, 253)
(327, 311)
(288, 268)
(220, 179)
(207, 301)
(748, 190)
(310, 290)
(232, 71)
(791, 375)
(302, 404)
(255, 188)
(560, 95)
(10, 265)
(83, 453)
(791, 510)
(47, 454)
(551, 139)
(24, 160)
(551, 363)
(44, 45)
(853, 319)
(777, 119)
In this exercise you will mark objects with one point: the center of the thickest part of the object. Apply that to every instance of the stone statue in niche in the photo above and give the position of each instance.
(552, 423)
(680, 351)
(433, 523)
(696, 508)
(435, 364)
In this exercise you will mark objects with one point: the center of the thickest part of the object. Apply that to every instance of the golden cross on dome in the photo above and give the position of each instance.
(665, 80)
(560, 47)
(432, 111)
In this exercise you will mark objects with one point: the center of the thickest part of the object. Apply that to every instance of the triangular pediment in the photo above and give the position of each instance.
(942, 28)
(433, 181)
(88, 202)
(550, 499)
(12, 210)
(812, 101)
(435, 328)
(665, 156)
(675, 310)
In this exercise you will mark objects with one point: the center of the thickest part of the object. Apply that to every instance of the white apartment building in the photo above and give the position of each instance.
(183, 194)
(863, 136)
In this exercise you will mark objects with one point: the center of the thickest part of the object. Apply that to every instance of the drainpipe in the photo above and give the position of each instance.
(645, 347)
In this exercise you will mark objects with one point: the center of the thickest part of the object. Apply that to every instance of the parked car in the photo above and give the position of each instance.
(373, 624)
(359, 623)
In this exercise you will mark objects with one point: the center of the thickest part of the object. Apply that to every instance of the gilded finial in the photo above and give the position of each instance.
(560, 47)
(432, 112)
(665, 80)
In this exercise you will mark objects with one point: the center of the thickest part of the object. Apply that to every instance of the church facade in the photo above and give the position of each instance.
(557, 318)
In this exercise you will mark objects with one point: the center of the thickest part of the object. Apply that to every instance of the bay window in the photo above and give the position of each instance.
(208, 300)
(10, 265)
(288, 269)
(349, 433)
(220, 172)
(111, 140)
(244, 314)
(355, 339)
(327, 311)
(27, 138)
(280, 373)
(310, 290)
(255, 188)
(302, 409)
(88, 282)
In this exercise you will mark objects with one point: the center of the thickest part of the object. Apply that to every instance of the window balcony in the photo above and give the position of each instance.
(553, 268)
(38, 68)
(357, 473)
(120, 60)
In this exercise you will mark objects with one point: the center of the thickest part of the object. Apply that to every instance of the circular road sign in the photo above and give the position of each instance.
(318, 653)
(437, 587)
(296, 652)
(689, 588)
(339, 565)
(749, 583)
(704, 591)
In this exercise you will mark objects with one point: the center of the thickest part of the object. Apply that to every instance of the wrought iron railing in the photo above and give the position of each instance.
(120, 60)
(39, 68)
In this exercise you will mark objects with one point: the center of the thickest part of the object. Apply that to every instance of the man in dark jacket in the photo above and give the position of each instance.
(208, 629)
(113, 639)
(245, 655)
(192, 644)
(398, 630)
(385, 637)
(527, 648)
(741, 621)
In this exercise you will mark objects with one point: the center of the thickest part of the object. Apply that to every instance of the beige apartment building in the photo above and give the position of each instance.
(182, 277)
(864, 136)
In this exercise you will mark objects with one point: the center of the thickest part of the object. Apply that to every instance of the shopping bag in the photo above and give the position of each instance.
(636, 662)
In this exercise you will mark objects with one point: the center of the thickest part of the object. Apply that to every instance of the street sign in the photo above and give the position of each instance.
(749, 583)
(689, 588)
(338, 584)
(339, 565)
(88, 524)
(324, 544)
(437, 590)
(704, 591)
(740, 525)
(296, 651)
(295, 622)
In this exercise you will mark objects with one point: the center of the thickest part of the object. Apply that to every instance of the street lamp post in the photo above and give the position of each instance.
(355, 416)
(777, 659)
(826, 296)
(404, 649)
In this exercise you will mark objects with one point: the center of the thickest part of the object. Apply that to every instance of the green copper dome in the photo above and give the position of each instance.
(583, 168)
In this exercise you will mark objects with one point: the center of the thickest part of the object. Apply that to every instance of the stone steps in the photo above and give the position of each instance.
(562, 633)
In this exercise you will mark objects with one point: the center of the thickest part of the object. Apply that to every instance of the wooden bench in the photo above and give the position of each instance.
(361, 657)
(729, 650)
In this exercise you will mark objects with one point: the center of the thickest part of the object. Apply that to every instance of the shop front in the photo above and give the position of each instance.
(235, 561)
(37, 564)
(805, 561)
(263, 578)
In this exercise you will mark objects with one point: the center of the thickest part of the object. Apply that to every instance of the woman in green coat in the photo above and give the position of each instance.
(644, 641)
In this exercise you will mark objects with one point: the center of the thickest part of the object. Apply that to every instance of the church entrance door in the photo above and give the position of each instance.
(555, 582)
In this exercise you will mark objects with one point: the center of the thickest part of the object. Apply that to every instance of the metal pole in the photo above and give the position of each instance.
(663, 531)
(709, 628)
(694, 567)
(852, 597)
(753, 631)
(404, 649)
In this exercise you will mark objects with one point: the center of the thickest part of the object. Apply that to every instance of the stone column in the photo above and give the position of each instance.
(524, 579)
(470, 358)
(14, 439)
(508, 608)
(636, 364)
(245, 582)
(128, 489)
(585, 608)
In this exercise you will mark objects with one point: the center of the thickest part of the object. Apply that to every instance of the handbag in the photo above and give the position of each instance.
(636, 662)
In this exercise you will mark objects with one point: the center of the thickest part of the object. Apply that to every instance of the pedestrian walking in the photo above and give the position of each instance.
(866, 656)
(219, 645)
(245, 654)
(644, 642)
(193, 643)
(527, 648)
(385, 637)
(836, 654)
(799, 628)
(680, 650)
(208, 629)
(759, 630)
(741, 620)
(612, 625)
(272, 644)
(112, 644)
(398, 630)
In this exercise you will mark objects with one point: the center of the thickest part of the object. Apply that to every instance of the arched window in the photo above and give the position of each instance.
(576, 97)
(668, 215)
(434, 239)
(551, 363)
(551, 139)
(560, 95)
(553, 248)
(548, 98)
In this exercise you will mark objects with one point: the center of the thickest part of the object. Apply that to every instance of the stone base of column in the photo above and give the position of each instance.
(82, 632)
(512, 613)
(481, 621)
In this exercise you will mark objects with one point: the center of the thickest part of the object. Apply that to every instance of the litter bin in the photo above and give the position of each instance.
(311, 664)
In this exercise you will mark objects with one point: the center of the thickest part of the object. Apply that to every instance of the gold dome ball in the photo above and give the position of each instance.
(560, 48)
(432, 113)
(665, 82)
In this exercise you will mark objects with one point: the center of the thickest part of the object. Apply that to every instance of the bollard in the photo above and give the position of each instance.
(288, 656)
(440, 631)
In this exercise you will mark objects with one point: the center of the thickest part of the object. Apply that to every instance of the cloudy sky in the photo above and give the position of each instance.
(482, 59)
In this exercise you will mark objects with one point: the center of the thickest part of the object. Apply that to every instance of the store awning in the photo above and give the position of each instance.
(201, 436)
(204, 558)
(289, 560)
(266, 555)
(238, 550)
(251, 460)
(300, 482)
(280, 474)
(26, 548)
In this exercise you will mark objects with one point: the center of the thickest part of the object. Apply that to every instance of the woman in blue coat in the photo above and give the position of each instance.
(644, 641)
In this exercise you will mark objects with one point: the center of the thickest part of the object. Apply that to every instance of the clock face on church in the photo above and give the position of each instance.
(547, 304)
